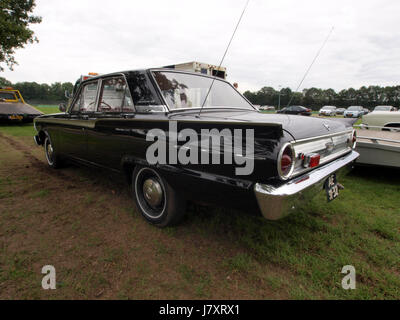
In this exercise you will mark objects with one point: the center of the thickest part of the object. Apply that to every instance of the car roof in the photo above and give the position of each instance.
(126, 72)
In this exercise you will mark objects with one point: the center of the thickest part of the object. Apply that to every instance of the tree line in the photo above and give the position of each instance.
(314, 98)
(43, 93)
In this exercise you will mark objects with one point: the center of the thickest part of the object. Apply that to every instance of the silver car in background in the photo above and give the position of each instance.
(354, 112)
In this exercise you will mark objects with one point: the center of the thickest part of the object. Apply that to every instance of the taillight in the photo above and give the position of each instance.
(314, 161)
(286, 161)
(354, 139)
(311, 160)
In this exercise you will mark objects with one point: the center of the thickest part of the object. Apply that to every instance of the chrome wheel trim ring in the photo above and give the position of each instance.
(141, 198)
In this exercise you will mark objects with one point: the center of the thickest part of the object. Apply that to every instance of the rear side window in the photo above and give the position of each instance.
(86, 102)
(115, 96)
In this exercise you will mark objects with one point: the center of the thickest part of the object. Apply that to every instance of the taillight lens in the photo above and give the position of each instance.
(354, 139)
(286, 161)
(314, 161)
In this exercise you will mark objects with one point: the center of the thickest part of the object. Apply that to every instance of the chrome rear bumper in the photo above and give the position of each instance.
(276, 203)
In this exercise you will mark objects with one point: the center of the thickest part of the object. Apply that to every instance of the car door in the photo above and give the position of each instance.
(72, 134)
(108, 138)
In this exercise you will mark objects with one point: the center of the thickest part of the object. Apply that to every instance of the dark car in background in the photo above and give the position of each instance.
(298, 110)
(114, 120)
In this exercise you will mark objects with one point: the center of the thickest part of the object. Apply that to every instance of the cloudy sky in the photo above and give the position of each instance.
(274, 45)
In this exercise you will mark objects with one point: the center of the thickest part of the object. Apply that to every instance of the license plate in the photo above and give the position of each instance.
(15, 117)
(331, 188)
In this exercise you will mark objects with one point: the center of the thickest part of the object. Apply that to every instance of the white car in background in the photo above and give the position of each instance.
(382, 119)
(384, 108)
(267, 108)
(327, 111)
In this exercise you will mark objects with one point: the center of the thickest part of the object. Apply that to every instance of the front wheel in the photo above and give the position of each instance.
(156, 200)
(53, 160)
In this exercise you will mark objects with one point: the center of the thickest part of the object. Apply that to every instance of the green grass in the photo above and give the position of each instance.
(360, 228)
(18, 130)
(47, 109)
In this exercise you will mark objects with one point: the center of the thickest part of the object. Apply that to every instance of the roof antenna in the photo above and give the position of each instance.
(222, 60)
(309, 68)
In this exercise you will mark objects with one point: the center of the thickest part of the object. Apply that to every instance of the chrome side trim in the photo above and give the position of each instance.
(340, 144)
(324, 136)
(278, 202)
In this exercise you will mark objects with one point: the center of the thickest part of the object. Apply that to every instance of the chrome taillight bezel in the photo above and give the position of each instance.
(282, 175)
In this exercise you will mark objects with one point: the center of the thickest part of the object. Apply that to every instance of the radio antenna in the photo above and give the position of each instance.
(312, 63)
(223, 57)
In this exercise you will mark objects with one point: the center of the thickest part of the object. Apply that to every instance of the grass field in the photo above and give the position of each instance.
(84, 223)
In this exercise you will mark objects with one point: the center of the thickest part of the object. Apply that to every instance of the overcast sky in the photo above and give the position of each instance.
(275, 43)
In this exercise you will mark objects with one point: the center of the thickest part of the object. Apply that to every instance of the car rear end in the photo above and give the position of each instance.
(306, 167)
(306, 112)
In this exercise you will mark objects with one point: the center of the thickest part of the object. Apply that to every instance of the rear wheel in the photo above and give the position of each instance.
(156, 200)
(53, 159)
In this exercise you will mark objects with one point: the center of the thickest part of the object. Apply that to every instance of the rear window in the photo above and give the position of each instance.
(8, 96)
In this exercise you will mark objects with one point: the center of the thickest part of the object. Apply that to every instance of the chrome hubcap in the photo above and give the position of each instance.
(153, 192)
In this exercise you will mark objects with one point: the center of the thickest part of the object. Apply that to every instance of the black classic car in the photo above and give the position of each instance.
(299, 110)
(178, 135)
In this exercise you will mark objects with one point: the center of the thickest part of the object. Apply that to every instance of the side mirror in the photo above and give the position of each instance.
(62, 107)
(67, 94)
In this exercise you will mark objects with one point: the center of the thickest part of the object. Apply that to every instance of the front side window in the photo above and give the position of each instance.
(115, 96)
(86, 102)
(181, 90)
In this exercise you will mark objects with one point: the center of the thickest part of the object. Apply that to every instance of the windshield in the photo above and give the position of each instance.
(182, 90)
(328, 108)
(382, 108)
(354, 108)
